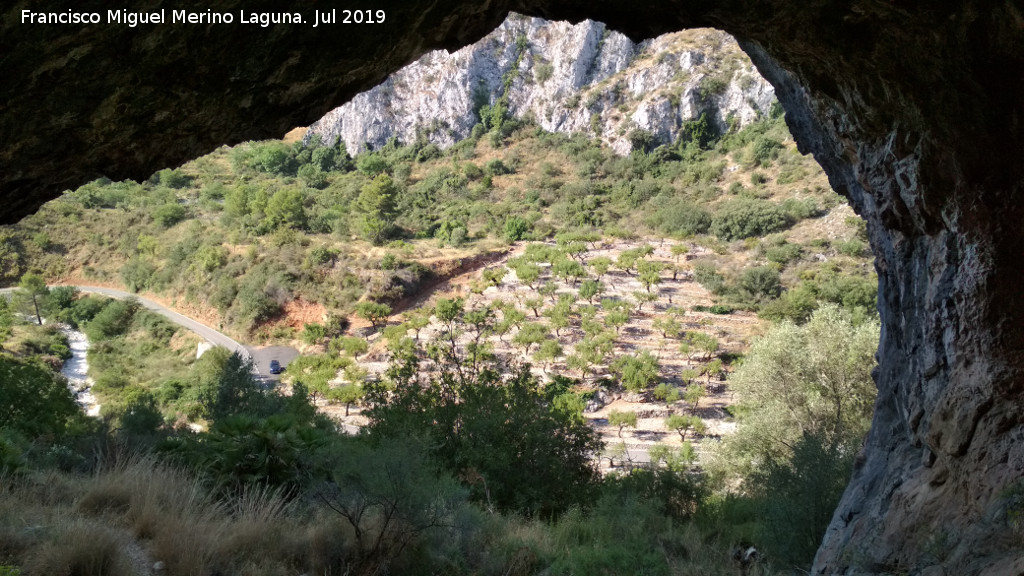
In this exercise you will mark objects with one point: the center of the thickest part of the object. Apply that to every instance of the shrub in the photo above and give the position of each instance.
(542, 72)
(800, 209)
(765, 150)
(783, 254)
(707, 275)
(760, 281)
(516, 229)
(313, 176)
(496, 167)
(169, 214)
(742, 218)
(172, 178)
(114, 320)
(854, 248)
(679, 217)
(273, 157)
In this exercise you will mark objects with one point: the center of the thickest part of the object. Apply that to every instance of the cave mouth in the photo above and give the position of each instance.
(914, 112)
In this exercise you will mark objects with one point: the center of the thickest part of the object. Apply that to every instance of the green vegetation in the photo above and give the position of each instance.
(471, 462)
(243, 232)
(807, 397)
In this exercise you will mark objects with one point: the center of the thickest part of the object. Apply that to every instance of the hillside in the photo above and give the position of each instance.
(262, 238)
(499, 309)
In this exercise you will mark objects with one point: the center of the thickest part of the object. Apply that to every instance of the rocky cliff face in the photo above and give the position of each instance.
(581, 78)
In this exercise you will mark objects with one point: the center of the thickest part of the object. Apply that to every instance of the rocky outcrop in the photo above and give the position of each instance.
(581, 78)
(915, 110)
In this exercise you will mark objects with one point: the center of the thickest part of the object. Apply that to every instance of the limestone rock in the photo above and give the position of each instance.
(581, 78)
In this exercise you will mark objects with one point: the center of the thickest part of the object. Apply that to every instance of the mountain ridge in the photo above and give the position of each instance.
(569, 78)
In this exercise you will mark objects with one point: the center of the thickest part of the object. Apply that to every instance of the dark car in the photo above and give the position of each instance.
(275, 367)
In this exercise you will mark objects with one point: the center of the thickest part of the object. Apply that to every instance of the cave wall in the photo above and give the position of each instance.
(914, 109)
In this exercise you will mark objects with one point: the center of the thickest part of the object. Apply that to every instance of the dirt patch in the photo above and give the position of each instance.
(298, 313)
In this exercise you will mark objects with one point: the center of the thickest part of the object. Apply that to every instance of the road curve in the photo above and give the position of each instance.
(209, 334)
(260, 357)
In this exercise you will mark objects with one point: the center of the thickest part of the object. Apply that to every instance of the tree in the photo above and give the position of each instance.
(681, 424)
(417, 321)
(617, 318)
(622, 419)
(377, 202)
(391, 495)
(549, 351)
(643, 298)
(568, 270)
(33, 400)
(348, 395)
(534, 304)
(704, 343)
(500, 426)
(285, 209)
(6, 321)
(638, 372)
(528, 273)
(649, 273)
(590, 289)
(694, 392)
(811, 380)
(549, 289)
(678, 251)
(530, 334)
(236, 390)
(600, 265)
(668, 326)
(33, 286)
(374, 312)
(558, 315)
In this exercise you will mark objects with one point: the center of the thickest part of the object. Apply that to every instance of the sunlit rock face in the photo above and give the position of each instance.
(915, 110)
(571, 78)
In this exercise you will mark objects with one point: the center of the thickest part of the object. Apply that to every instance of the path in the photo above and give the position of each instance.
(261, 357)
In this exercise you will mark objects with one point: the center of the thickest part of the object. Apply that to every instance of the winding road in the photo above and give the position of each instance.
(261, 357)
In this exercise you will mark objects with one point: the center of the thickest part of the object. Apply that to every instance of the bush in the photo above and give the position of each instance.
(854, 248)
(496, 167)
(273, 157)
(707, 275)
(172, 178)
(760, 281)
(765, 150)
(136, 274)
(516, 229)
(742, 218)
(113, 320)
(678, 218)
(169, 214)
(800, 209)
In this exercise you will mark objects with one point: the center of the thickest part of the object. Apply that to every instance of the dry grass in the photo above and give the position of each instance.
(143, 511)
(82, 548)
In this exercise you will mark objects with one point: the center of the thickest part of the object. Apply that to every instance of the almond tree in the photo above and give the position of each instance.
(622, 419)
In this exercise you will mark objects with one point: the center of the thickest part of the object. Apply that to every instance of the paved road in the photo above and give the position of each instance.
(261, 356)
